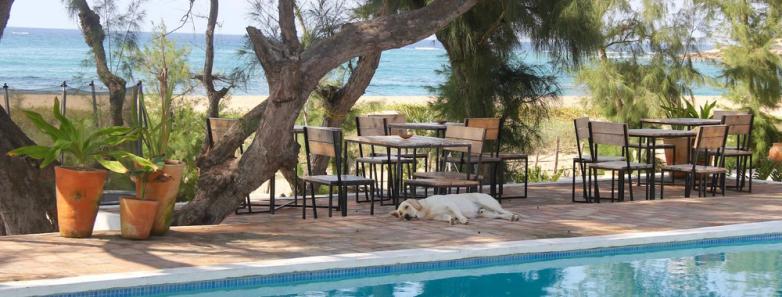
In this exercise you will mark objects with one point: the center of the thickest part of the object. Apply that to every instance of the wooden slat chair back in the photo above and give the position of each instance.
(718, 114)
(217, 128)
(711, 138)
(475, 135)
(605, 133)
(738, 124)
(582, 128)
(492, 126)
(391, 119)
(322, 141)
(608, 133)
(371, 126)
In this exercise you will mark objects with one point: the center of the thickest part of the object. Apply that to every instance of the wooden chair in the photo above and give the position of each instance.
(709, 150)
(377, 126)
(493, 127)
(328, 142)
(740, 129)
(584, 159)
(613, 134)
(445, 181)
(216, 129)
(400, 118)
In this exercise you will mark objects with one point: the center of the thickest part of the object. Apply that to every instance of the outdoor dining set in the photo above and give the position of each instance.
(705, 144)
(385, 163)
(390, 163)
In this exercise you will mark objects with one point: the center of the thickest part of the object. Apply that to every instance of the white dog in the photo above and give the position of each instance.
(457, 208)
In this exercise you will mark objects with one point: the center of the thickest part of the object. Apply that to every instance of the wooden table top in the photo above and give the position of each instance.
(416, 141)
(691, 122)
(422, 126)
(650, 132)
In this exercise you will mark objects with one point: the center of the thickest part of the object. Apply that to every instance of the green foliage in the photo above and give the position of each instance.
(653, 70)
(752, 71)
(486, 78)
(765, 168)
(164, 63)
(537, 175)
(83, 147)
(704, 111)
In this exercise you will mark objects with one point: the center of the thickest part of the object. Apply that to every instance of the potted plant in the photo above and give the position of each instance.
(166, 64)
(78, 183)
(688, 111)
(138, 213)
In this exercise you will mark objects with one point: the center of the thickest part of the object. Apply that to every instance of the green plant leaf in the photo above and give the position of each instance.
(114, 166)
(42, 125)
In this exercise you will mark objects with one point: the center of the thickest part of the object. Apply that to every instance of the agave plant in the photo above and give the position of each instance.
(688, 111)
(83, 147)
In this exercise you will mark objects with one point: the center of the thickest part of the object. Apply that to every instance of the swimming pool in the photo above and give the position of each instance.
(733, 266)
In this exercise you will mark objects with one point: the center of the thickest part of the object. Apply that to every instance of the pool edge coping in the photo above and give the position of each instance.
(377, 258)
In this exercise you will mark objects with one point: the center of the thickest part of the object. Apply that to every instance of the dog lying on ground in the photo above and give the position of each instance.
(455, 208)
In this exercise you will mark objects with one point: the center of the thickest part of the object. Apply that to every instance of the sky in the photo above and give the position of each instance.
(52, 14)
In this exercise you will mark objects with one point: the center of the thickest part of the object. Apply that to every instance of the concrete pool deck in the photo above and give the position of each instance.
(263, 237)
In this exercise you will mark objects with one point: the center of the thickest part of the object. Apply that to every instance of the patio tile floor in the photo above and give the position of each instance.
(548, 213)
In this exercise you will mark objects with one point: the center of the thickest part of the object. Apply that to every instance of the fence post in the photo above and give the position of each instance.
(64, 97)
(556, 157)
(7, 100)
(95, 116)
(139, 115)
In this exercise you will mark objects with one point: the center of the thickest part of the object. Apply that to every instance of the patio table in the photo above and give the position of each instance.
(398, 144)
(685, 122)
(437, 127)
(651, 135)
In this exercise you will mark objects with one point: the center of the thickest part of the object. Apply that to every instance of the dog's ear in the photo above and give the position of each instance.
(394, 213)
(415, 204)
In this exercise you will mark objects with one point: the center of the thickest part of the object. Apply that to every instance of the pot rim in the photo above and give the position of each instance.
(81, 169)
(137, 199)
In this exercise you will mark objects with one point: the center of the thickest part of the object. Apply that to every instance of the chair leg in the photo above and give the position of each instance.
(573, 185)
(331, 200)
(630, 180)
(303, 200)
(597, 187)
(314, 206)
(621, 187)
(662, 184)
(749, 168)
(371, 198)
(612, 184)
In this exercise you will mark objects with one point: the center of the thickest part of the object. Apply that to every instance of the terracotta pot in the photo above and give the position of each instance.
(78, 197)
(775, 153)
(136, 217)
(165, 192)
(681, 153)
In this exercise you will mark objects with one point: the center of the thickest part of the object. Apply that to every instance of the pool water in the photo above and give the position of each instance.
(739, 270)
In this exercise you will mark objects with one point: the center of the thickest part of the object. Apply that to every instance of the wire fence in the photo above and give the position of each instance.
(83, 104)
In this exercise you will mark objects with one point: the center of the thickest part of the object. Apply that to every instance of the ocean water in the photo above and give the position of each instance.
(44, 58)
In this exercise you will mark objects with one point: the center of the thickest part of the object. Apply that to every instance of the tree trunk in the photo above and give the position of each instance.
(207, 78)
(293, 73)
(338, 105)
(94, 36)
(27, 204)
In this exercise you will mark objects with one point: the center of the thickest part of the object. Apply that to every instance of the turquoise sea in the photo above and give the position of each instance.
(43, 58)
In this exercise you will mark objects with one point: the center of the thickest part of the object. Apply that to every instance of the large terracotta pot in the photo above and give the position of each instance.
(164, 190)
(136, 217)
(681, 153)
(78, 194)
(775, 153)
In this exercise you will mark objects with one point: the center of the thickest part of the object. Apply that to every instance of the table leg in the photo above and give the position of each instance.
(398, 181)
(650, 183)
